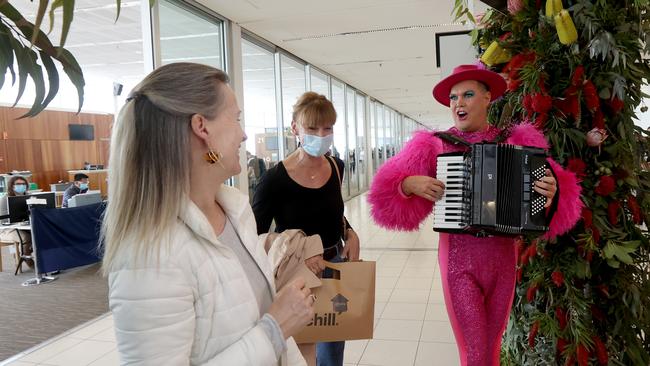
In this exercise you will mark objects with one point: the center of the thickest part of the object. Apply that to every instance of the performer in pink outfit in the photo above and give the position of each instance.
(478, 274)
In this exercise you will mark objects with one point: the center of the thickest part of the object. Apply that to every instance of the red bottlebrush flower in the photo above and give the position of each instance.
(561, 345)
(605, 186)
(532, 250)
(542, 103)
(590, 95)
(538, 4)
(523, 259)
(561, 317)
(597, 314)
(612, 212)
(527, 103)
(589, 256)
(616, 105)
(595, 233)
(506, 35)
(558, 278)
(577, 166)
(599, 120)
(601, 351)
(587, 217)
(513, 84)
(633, 205)
(520, 274)
(569, 105)
(531, 292)
(583, 355)
(533, 333)
(540, 120)
(603, 290)
(578, 74)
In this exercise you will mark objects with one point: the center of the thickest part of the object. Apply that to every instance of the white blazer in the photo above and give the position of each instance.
(194, 305)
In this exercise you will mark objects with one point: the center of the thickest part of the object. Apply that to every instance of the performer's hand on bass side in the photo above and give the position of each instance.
(547, 186)
(423, 186)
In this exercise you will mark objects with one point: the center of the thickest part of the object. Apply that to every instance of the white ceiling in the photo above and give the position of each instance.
(388, 51)
(384, 48)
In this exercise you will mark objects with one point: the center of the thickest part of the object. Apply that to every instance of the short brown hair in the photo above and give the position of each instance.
(313, 110)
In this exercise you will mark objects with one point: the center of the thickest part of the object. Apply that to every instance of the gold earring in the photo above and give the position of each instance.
(212, 157)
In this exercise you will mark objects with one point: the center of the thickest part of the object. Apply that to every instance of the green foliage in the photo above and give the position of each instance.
(23, 44)
(605, 263)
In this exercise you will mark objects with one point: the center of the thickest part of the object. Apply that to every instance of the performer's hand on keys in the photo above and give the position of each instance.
(547, 186)
(293, 307)
(423, 186)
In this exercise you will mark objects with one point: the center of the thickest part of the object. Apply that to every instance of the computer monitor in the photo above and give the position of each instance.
(83, 199)
(18, 210)
(50, 197)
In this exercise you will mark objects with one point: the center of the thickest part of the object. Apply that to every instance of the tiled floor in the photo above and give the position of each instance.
(411, 324)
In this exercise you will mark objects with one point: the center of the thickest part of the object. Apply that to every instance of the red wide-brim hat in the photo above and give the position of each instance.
(494, 82)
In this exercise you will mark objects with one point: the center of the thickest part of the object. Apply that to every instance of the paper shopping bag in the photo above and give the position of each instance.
(345, 305)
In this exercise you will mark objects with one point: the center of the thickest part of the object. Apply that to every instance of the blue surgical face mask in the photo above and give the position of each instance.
(20, 188)
(315, 145)
(83, 186)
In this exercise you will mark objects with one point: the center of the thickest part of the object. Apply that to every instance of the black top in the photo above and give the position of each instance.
(292, 206)
(71, 192)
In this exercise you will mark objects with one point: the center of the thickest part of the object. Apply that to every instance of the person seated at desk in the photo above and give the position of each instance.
(18, 186)
(80, 185)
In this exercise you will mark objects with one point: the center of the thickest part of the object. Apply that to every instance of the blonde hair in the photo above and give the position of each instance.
(150, 153)
(313, 110)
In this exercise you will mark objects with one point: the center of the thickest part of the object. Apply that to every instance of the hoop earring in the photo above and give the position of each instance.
(212, 157)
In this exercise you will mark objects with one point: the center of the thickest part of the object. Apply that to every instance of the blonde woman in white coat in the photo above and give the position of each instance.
(188, 282)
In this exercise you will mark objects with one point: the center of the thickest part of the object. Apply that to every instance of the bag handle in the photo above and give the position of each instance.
(338, 175)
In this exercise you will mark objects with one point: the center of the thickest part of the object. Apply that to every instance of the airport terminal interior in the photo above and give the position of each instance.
(376, 60)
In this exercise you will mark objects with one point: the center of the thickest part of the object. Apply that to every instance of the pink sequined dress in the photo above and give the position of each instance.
(478, 274)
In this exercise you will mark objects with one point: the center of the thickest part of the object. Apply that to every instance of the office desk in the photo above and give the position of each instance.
(18, 227)
(39, 278)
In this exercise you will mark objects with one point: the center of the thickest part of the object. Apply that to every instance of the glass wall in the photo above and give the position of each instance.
(361, 141)
(340, 146)
(352, 156)
(188, 35)
(293, 86)
(260, 112)
(319, 82)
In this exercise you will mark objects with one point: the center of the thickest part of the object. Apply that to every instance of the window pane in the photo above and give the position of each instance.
(339, 150)
(261, 124)
(293, 86)
(187, 35)
(373, 136)
(319, 83)
(351, 160)
(107, 52)
(361, 140)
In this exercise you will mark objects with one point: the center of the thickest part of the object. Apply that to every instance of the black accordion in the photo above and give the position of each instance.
(489, 190)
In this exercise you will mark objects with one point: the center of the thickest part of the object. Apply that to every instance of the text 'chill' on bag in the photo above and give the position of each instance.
(345, 305)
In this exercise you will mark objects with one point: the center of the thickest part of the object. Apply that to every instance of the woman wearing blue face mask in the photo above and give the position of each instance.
(17, 186)
(80, 185)
(304, 192)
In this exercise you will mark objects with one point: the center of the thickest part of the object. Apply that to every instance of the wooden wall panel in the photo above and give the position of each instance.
(41, 144)
(104, 148)
(24, 155)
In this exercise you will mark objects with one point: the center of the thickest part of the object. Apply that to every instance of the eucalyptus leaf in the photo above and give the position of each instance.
(36, 73)
(52, 76)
